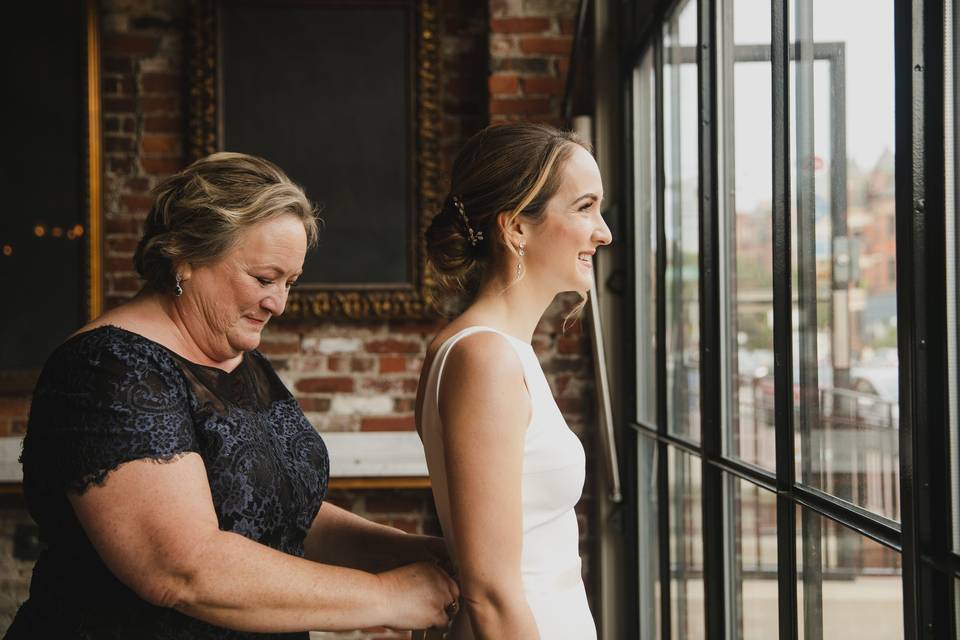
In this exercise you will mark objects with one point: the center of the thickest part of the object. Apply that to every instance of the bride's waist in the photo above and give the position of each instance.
(553, 578)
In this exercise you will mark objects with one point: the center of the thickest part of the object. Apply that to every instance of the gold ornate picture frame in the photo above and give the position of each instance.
(313, 298)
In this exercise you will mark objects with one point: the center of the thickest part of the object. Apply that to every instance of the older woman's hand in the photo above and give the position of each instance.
(419, 596)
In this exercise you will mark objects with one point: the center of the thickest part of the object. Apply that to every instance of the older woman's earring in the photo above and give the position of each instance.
(178, 290)
(521, 248)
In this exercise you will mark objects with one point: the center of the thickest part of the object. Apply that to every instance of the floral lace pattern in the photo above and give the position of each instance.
(109, 396)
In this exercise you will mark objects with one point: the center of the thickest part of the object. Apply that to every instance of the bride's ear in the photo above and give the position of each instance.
(511, 229)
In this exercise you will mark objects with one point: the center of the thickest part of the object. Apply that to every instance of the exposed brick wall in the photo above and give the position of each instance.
(530, 44)
(502, 61)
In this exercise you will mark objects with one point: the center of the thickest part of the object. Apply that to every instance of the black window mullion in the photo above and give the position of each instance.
(709, 312)
(631, 515)
(663, 494)
(782, 325)
(924, 439)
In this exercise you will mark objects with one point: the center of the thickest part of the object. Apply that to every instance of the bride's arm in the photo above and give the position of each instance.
(485, 409)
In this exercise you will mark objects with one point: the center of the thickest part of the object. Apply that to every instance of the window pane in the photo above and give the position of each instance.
(844, 280)
(746, 251)
(681, 214)
(848, 585)
(644, 148)
(647, 539)
(751, 561)
(951, 157)
(686, 547)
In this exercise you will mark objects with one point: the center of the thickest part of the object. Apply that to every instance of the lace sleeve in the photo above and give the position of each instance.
(104, 400)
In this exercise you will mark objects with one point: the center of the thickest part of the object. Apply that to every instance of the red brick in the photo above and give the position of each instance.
(124, 283)
(360, 365)
(325, 385)
(160, 144)
(551, 46)
(122, 226)
(136, 203)
(316, 405)
(14, 407)
(336, 363)
(568, 345)
(135, 45)
(278, 348)
(572, 405)
(118, 265)
(118, 105)
(540, 84)
(520, 106)
(117, 143)
(392, 503)
(503, 84)
(141, 185)
(161, 166)
(563, 66)
(567, 26)
(393, 364)
(117, 64)
(121, 245)
(163, 124)
(519, 25)
(160, 82)
(390, 423)
(159, 104)
(393, 346)
(120, 165)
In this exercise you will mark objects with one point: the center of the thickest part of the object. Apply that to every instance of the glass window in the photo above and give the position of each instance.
(752, 609)
(848, 586)
(647, 538)
(681, 217)
(686, 546)
(845, 333)
(645, 212)
(746, 230)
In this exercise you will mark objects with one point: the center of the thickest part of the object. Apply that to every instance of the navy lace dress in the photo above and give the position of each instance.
(109, 396)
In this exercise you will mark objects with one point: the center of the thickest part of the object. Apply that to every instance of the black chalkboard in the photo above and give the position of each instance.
(326, 92)
(42, 272)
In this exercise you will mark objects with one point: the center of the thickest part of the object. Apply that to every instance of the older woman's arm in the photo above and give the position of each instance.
(155, 527)
(345, 539)
(485, 409)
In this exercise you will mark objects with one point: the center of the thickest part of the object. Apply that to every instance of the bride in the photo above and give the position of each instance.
(520, 225)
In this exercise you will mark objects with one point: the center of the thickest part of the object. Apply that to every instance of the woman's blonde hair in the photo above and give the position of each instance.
(199, 214)
(514, 167)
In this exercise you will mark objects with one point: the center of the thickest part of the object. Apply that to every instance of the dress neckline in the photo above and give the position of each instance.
(475, 328)
(216, 370)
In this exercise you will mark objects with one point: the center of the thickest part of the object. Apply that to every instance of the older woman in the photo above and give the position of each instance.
(176, 483)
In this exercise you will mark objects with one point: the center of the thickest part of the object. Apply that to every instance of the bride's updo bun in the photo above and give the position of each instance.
(511, 167)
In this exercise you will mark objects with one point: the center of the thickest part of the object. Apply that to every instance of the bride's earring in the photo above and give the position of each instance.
(178, 290)
(520, 251)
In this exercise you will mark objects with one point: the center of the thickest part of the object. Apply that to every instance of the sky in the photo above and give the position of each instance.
(866, 29)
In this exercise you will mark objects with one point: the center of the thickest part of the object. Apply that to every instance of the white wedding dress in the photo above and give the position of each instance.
(552, 481)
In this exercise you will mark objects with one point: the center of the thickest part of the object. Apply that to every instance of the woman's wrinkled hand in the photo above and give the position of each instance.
(419, 596)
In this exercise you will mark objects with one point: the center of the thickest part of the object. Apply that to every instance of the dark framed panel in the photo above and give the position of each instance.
(50, 227)
(343, 97)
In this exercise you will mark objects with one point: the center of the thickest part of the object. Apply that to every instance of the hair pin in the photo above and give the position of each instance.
(473, 236)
